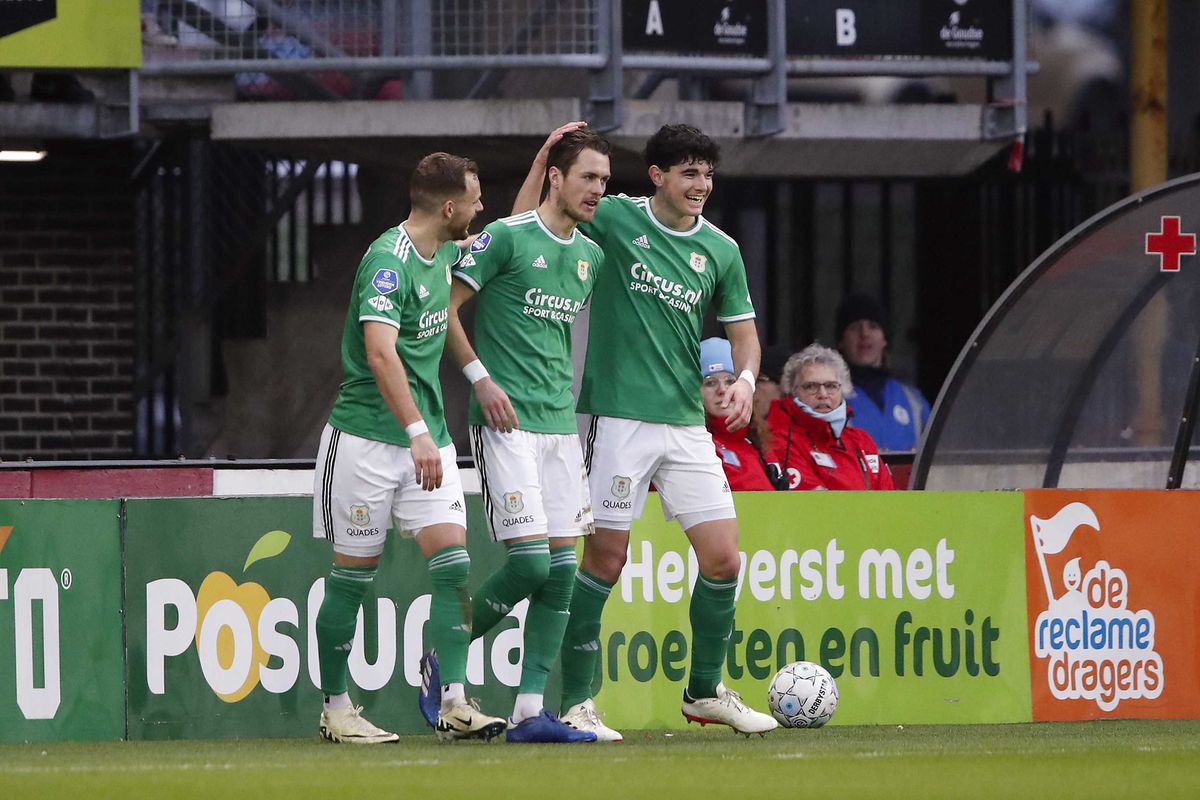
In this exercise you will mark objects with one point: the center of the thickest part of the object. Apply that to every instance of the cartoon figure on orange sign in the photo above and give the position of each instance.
(1073, 597)
(1050, 536)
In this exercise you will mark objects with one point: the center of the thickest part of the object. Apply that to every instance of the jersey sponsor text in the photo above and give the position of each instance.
(433, 322)
(671, 292)
(550, 306)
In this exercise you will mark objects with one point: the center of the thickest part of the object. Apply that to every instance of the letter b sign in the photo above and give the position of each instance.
(844, 25)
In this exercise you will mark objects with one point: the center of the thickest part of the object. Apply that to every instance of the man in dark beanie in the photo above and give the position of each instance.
(893, 412)
(770, 370)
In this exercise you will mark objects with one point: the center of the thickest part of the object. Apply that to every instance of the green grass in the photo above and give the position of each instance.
(1158, 759)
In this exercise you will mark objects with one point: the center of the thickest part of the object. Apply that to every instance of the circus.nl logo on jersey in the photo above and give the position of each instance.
(1097, 647)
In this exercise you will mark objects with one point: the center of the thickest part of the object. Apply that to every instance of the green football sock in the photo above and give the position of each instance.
(581, 641)
(450, 611)
(524, 571)
(711, 614)
(336, 621)
(549, 610)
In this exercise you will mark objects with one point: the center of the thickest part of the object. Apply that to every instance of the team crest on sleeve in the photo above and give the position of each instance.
(359, 516)
(481, 242)
(380, 303)
(620, 486)
(582, 269)
(513, 502)
(384, 281)
(468, 261)
(698, 262)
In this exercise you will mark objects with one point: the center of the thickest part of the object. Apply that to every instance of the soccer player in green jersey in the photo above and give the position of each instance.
(386, 453)
(530, 274)
(665, 265)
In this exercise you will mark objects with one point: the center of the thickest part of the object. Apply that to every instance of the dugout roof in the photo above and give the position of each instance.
(1086, 372)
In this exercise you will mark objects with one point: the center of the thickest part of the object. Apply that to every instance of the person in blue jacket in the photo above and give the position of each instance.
(893, 412)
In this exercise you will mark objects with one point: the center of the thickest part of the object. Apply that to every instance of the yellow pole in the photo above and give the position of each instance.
(1148, 167)
(1148, 87)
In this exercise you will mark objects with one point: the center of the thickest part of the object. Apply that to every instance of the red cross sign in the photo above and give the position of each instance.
(1169, 244)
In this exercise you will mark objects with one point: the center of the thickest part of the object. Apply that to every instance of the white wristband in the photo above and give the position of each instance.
(415, 429)
(748, 376)
(475, 371)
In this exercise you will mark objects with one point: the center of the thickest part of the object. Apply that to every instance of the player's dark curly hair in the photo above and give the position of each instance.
(439, 177)
(680, 144)
(565, 152)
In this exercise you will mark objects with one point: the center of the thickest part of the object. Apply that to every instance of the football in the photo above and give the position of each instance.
(802, 695)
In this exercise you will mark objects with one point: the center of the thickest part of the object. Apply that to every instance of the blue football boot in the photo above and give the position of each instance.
(546, 728)
(429, 696)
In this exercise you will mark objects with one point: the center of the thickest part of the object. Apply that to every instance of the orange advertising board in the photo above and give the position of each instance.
(1113, 585)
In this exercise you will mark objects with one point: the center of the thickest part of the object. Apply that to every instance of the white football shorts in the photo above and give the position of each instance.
(532, 483)
(623, 456)
(361, 485)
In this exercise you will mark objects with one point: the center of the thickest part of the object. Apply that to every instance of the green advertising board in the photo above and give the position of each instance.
(915, 603)
(222, 597)
(61, 656)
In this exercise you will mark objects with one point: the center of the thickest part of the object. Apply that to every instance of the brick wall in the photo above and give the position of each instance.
(67, 304)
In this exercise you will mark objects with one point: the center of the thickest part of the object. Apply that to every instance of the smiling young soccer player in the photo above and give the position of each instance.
(666, 265)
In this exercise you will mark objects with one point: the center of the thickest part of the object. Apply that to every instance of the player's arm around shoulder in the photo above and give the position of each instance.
(379, 340)
(469, 278)
(487, 256)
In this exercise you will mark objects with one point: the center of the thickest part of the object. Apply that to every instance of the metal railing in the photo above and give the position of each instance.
(376, 35)
(262, 40)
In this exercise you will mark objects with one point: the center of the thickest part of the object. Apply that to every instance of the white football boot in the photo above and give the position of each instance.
(466, 721)
(348, 726)
(727, 708)
(584, 717)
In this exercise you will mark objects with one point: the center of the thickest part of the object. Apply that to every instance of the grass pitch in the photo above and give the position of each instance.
(1157, 759)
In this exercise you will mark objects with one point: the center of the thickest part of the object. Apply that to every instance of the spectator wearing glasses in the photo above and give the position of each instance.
(742, 452)
(814, 443)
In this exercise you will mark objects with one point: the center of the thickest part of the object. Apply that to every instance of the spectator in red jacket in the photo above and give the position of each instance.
(742, 457)
(815, 443)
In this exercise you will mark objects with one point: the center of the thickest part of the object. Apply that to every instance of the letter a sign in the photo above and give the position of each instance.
(654, 24)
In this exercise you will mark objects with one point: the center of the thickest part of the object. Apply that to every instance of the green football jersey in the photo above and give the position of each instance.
(531, 284)
(643, 356)
(396, 286)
